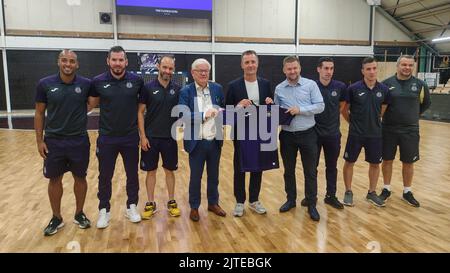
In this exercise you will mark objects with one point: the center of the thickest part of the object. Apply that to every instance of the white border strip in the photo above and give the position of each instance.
(86, 44)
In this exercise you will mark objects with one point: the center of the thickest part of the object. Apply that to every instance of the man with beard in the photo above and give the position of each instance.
(410, 98)
(302, 98)
(118, 92)
(66, 143)
(158, 98)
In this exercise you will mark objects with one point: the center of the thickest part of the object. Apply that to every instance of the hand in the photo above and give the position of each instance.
(145, 144)
(211, 113)
(245, 102)
(293, 111)
(269, 100)
(42, 149)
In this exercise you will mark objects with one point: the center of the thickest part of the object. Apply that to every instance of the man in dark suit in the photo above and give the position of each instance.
(242, 92)
(202, 98)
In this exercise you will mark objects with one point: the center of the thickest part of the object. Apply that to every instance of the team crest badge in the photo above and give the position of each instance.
(172, 92)
(129, 85)
(77, 90)
(334, 93)
(414, 87)
(379, 94)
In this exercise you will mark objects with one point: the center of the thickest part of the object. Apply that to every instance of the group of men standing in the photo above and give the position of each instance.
(134, 114)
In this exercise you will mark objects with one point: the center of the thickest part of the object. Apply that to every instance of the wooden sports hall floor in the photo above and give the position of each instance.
(25, 209)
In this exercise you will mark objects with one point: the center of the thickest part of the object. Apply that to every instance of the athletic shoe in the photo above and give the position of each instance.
(333, 201)
(132, 214)
(149, 210)
(172, 206)
(373, 198)
(409, 198)
(348, 198)
(82, 221)
(385, 194)
(103, 218)
(238, 210)
(257, 207)
(55, 224)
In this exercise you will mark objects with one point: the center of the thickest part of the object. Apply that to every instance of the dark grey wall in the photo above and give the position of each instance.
(2, 85)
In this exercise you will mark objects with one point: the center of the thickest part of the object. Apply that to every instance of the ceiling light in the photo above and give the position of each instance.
(441, 39)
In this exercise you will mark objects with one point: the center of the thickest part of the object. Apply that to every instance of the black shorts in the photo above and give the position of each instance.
(372, 148)
(408, 143)
(168, 149)
(66, 154)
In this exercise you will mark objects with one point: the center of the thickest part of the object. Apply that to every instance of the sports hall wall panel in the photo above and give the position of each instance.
(26, 67)
(2, 85)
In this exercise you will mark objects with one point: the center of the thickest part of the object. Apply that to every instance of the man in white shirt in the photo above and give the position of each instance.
(202, 97)
(243, 92)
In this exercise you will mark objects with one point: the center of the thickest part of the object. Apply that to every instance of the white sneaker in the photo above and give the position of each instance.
(238, 210)
(257, 207)
(132, 214)
(103, 218)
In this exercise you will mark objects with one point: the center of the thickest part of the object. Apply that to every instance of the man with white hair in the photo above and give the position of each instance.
(201, 97)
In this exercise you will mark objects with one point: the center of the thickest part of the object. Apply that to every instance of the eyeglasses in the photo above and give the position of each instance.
(200, 71)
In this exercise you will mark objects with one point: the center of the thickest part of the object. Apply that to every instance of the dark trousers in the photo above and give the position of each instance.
(239, 179)
(108, 148)
(331, 148)
(208, 152)
(306, 143)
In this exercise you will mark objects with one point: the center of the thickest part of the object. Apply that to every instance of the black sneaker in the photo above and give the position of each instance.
(53, 226)
(82, 221)
(373, 198)
(409, 198)
(333, 201)
(385, 194)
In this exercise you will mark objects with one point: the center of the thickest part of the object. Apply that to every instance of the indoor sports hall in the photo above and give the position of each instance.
(36, 35)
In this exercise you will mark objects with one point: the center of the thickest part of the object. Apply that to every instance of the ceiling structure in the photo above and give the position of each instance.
(421, 20)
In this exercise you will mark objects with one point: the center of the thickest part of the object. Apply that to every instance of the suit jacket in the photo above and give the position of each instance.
(188, 97)
(237, 92)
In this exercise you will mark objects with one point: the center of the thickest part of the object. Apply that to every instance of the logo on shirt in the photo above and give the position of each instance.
(172, 92)
(334, 93)
(361, 94)
(77, 90)
(106, 86)
(392, 87)
(379, 94)
(129, 85)
(53, 89)
(155, 92)
(414, 87)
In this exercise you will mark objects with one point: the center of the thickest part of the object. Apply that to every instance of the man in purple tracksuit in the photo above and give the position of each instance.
(327, 126)
(118, 92)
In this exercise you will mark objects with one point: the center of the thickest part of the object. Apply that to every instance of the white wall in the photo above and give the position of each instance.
(319, 19)
(334, 19)
(386, 31)
(56, 15)
(255, 18)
